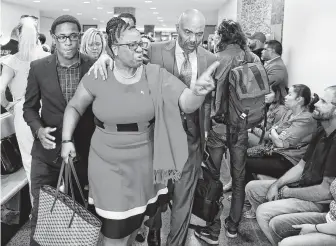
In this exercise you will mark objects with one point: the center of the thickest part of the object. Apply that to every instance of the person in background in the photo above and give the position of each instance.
(289, 137)
(257, 43)
(307, 228)
(231, 43)
(150, 96)
(9, 48)
(306, 186)
(43, 39)
(14, 75)
(52, 81)
(12, 46)
(276, 109)
(93, 43)
(275, 67)
(146, 40)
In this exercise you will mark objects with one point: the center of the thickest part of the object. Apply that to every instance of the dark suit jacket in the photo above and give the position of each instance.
(163, 54)
(44, 87)
(277, 72)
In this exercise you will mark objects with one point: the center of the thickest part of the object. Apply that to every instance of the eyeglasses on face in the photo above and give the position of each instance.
(71, 37)
(135, 45)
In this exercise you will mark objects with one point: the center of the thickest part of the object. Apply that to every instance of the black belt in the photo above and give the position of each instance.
(131, 127)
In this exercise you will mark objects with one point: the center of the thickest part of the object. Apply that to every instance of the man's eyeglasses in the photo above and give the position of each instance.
(135, 45)
(31, 16)
(71, 37)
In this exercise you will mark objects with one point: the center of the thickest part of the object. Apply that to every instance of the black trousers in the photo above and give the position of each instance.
(274, 166)
(43, 173)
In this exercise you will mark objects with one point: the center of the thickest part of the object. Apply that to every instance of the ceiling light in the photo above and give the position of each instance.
(79, 13)
(159, 17)
(153, 8)
(94, 18)
(164, 25)
(86, 2)
(99, 8)
(110, 12)
(102, 21)
(148, 1)
(160, 20)
(155, 13)
(36, 1)
(66, 9)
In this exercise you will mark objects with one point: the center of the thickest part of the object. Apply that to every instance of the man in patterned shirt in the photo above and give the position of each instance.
(53, 81)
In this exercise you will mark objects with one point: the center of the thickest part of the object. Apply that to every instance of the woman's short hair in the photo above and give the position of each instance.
(88, 37)
(230, 32)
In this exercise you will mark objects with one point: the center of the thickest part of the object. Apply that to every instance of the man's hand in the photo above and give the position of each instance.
(101, 65)
(272, 194)
(68, 150)
(47, 140)
(305, 228)
(205, 83)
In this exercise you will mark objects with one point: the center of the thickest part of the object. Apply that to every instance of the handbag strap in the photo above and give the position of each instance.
(77, 181)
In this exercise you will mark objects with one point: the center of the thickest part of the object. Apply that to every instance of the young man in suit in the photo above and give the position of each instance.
(186, 59)
(274, 65)
(53, 81)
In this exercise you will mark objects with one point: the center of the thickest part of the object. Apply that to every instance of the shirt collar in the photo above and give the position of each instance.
(179, 50)
(76, 64)
(269, 61)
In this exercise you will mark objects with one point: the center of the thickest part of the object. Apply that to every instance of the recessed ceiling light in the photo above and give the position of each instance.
(86, 2)
(160, 20)
(164, 25)
(110, 12)
(94, 18)
(155, 13)
(102, 21)
(36, 1)
(153, 8)
(159, 17)
(148, 1)
(99, 7)
(79, 13)
(66, 9)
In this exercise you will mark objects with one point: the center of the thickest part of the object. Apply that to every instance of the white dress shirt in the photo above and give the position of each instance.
(193, 60)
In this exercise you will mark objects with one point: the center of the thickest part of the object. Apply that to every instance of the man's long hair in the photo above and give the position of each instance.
(230, 32)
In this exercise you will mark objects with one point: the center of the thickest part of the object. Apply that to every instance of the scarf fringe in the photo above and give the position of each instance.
(162, 176)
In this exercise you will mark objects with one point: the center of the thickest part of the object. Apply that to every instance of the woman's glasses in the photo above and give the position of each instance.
(135, 45)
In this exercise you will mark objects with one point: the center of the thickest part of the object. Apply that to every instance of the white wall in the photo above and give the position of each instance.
(228, 11)
(45, 28)
(10, 17)
(309, 42)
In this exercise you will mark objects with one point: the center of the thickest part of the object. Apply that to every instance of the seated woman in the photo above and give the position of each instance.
(139, 141)
(93, 43)
(309, 228)
(276, 100)
(289, 137)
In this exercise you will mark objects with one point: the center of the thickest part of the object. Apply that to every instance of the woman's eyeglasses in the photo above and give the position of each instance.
(71, 37)
(135, 45)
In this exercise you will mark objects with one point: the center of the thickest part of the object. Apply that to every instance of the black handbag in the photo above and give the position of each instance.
(209, 192)
(11, 160)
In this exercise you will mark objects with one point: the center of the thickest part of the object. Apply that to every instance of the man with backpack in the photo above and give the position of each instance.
(239, 105)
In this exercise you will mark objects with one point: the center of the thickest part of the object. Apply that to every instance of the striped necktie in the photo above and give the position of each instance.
(186, 72)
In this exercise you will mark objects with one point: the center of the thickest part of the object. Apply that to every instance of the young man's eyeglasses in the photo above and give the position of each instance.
(135, 45)
(71, 37)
